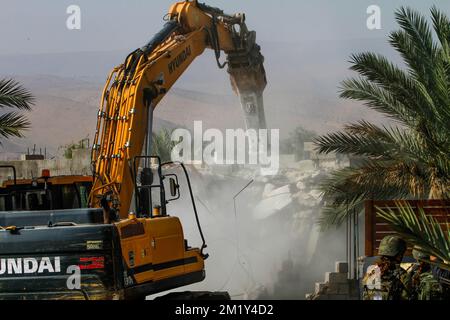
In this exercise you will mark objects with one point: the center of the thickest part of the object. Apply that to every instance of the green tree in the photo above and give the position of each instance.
(163, 144)
(410, 157)
(13, 95)
(294, 144)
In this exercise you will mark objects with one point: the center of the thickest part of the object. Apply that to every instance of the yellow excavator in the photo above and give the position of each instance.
(126, 245)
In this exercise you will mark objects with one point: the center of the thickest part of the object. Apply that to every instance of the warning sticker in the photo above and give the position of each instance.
(94, 245)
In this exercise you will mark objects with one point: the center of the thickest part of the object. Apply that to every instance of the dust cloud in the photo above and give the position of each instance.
(266, 243)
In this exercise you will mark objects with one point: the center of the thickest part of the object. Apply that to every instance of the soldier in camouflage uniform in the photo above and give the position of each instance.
(387, 280)
(443, 277)
(421, 283)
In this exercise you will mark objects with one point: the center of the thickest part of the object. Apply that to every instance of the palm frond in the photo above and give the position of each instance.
(379, 71)
(416, 45)
(377, 99)
(13, 95)
(417, 28)
(348, 142)
(346, 189)
(441, 24)
(12, 124)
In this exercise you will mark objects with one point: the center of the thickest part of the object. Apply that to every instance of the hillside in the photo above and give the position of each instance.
(302, 90)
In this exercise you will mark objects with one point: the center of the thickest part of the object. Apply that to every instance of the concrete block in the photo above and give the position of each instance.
(344, 288)
(341, 267)
(333, 288)
(319, 287)
(353, 287)
(336, 277)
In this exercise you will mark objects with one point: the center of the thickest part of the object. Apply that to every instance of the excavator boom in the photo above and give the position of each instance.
(134, 89)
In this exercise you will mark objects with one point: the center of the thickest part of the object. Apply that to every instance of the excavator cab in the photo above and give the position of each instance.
(150, 194)
(150, 187)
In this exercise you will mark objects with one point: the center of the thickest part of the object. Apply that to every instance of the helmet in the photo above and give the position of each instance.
(418, 254)
(392, 246)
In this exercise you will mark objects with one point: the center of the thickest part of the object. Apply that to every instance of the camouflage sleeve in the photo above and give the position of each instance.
(406, 284)
(442, 275)
(407, 279)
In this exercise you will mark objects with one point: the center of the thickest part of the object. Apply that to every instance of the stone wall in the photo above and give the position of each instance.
(27, 169)
(336, 286)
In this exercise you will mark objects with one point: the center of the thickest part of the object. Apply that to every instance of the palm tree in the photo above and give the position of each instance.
(410, 157)
(13, 95)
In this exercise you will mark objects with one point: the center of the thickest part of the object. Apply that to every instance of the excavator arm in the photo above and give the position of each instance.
(134, 89)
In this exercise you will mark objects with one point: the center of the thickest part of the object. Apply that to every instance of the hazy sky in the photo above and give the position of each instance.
(39, 26)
